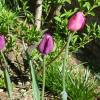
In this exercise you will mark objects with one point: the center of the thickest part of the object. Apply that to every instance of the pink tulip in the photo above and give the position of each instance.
(2, 42)
(46, 45)
(76, 22)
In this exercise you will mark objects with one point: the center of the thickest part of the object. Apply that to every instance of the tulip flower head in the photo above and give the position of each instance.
(76, 22)
(2, 42)
(46, 45)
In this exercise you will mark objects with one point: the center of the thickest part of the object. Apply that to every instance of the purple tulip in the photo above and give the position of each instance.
(46, 45)
(76, 22)
(2, 42)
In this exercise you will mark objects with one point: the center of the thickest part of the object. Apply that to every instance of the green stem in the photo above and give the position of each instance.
(66, 61)
(62, 49)
(7, 77)
(44, 72)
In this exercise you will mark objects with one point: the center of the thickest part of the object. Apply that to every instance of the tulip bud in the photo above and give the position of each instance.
(76, 22)
(2, 42)
(46, 45)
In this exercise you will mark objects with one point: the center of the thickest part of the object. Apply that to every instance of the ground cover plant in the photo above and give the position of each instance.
(39, 44)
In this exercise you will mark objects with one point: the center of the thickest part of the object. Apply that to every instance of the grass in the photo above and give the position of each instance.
(2, 83)
(80, 83)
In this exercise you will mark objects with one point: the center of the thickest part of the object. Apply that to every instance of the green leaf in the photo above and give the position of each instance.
(8, 82)
(36, 92)
(75, 37)
(91, 13)
(87, 5)
(69, 1)
(64, 95)
(57, 19)
(35, 89)
(99, 3)
(7, 77)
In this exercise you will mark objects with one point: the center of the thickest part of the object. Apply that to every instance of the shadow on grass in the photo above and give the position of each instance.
(91, 54)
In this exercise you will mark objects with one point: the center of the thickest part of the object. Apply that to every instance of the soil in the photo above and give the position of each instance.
(22, 94)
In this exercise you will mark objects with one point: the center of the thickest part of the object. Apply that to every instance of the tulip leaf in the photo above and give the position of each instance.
(7, 77)
(8, 82)
(64, 95)
(35, 89)
(36, 92)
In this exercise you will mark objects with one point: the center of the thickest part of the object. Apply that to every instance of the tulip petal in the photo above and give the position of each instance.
(46, 44)
(76, 22)
(2, 42)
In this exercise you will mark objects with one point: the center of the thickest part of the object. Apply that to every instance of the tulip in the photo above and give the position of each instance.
(76, 22)
(46, 45)
(2, 42)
